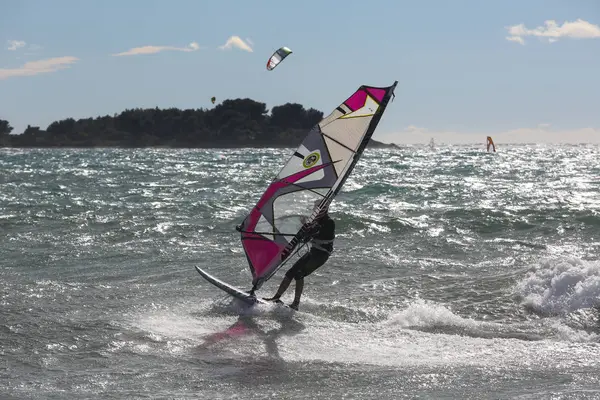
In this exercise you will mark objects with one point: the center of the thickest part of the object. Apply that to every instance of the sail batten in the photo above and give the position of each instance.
(315, 171)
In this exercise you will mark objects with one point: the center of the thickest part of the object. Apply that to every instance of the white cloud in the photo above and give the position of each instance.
(236, 41)
(157, 49)
(15, 44)
(551, 31)
(38, 67)
(540, 134)
(516, 39)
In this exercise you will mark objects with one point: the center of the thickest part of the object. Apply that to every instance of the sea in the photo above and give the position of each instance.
(456, 274)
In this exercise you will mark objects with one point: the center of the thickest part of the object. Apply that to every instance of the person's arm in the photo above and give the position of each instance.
(310, 230)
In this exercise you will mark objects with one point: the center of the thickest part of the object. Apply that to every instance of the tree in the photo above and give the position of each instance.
(5, 128)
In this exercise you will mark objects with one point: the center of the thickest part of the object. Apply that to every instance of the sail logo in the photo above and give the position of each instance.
(311, 160)
(288, 249)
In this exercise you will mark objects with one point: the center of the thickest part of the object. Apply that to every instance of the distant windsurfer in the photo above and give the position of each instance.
(322, 235)
(490, 142)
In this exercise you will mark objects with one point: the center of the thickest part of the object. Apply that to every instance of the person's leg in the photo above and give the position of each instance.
(285, 283)
(289, 275)
(316, 260)
(298, 293)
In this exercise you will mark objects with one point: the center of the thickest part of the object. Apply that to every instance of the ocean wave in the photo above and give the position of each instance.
(559, 286)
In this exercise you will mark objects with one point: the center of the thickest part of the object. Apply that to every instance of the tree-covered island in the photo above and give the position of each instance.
(233, 123)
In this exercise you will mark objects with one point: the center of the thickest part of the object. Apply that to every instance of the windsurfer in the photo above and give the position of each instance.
(490, 142)
(322, 235)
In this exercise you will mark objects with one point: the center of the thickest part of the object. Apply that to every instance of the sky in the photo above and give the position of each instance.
(520, 71)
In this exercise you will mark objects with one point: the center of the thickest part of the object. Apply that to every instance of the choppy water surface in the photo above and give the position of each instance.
(457, 274)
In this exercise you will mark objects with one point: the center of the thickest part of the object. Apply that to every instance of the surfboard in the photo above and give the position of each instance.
(231, 290)
(235, 292)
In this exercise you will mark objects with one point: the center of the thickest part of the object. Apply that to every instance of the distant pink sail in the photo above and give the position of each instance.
(316, 171)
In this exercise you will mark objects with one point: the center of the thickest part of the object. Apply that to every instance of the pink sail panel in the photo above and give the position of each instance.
(260, 250)
(358, 99)
(377, 93)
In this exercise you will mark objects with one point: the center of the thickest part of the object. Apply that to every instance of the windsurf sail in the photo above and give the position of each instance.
(490, 142)
(315, 172)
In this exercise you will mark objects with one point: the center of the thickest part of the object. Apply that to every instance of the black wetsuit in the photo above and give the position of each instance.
(321, 248)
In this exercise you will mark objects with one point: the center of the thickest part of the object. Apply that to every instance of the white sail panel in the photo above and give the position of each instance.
(340, 154)
(348, 132)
